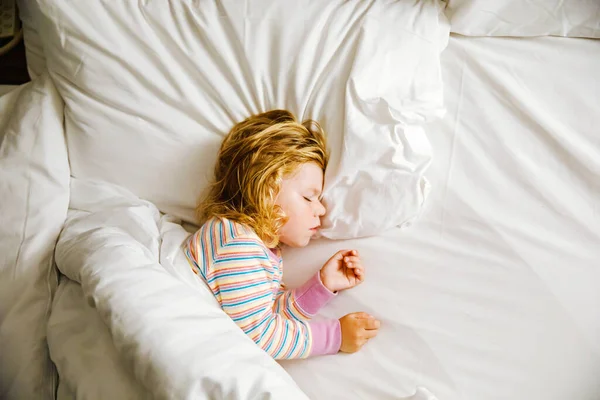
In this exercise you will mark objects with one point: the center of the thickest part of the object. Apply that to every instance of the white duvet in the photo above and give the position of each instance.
(34, 197)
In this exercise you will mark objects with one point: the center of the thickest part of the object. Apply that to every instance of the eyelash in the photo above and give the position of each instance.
(307, 199)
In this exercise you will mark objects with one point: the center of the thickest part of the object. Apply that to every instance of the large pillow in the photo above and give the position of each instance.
(152, 87)
(579, 18)
(34, 188)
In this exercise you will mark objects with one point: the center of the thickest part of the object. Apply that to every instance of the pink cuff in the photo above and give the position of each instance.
(313, 295)
(326, 337)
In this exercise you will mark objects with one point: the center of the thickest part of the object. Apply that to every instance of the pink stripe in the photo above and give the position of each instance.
(248, 296)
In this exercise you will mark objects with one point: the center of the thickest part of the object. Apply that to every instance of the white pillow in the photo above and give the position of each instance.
(151, 88)
(578, 18)
(34, 183)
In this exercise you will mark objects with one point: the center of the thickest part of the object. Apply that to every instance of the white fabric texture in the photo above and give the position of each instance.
(34, 187)
(575, 18)
(83, 351)
(147, 108)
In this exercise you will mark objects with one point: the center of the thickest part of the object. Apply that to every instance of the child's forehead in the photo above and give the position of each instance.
(309, 176)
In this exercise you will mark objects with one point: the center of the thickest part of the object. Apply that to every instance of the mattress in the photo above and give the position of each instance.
(493, 293)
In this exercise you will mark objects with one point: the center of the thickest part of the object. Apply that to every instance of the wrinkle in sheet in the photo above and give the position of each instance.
(455, 133)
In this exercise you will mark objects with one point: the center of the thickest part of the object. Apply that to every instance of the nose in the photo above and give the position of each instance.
(320, 209)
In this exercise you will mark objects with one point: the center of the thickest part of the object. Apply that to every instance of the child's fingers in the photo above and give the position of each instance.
(360, 276)
(341, 254)
(371, 333)
(355, 265)
(349, 253)
(359, 271)
(371, 323)
(352, 259)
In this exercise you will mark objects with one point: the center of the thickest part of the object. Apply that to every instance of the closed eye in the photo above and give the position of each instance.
(307, 199)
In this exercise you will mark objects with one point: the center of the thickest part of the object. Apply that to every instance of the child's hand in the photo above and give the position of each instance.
(357, 329)
(342, 271)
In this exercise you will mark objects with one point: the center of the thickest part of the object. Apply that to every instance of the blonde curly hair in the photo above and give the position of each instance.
(253, 159)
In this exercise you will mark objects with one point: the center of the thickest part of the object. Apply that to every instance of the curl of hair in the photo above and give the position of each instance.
(253, 159)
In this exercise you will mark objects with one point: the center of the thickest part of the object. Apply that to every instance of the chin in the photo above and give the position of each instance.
(305, 243)
(302, 242)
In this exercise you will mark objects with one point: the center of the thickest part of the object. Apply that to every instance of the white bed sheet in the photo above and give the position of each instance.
(493, 294)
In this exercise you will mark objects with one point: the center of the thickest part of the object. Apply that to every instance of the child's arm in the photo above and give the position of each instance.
(245, 293)
(304, 302)
(240, 281)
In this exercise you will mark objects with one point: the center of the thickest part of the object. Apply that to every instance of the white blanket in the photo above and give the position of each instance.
(34, 197)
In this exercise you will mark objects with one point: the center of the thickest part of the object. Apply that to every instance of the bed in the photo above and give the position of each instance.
(486, 283)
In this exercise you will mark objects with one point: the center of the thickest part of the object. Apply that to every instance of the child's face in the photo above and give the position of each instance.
(299, 197)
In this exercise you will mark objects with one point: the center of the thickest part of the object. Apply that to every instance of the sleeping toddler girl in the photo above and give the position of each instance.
(266, 192)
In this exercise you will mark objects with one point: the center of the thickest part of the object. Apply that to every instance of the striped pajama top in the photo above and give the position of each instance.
(245, 276)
